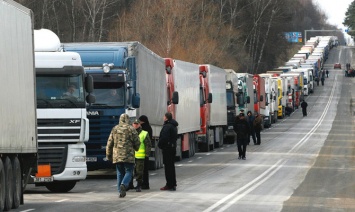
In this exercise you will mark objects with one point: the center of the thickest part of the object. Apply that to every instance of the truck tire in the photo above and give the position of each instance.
(9, 193)
(60, 186)
(2, 186)
(17, 182)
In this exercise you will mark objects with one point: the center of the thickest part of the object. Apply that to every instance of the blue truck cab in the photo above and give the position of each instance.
(114, 75)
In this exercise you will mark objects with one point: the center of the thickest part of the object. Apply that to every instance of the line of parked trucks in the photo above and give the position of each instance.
(68, 96)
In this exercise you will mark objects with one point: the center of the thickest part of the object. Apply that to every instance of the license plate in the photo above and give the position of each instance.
(43, 179)
(91, 159)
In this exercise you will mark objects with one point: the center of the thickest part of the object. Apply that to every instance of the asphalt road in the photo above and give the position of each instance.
(302, 164)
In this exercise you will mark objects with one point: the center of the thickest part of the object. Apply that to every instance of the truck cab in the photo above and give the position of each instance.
(63, 90)
(112, 72)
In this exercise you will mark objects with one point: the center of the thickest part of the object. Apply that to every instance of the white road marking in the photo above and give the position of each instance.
(62, 200)
(32, 209)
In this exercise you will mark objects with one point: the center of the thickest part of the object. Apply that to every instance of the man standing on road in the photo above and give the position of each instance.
(258, 127)
(146, 126)
(141, 154)
(304, 108)
(167, 143)
(241, 127)
(250, 119)
(121, 144)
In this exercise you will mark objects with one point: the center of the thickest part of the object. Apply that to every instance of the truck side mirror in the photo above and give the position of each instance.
(261, 98)
(175, 98)
(136, 100)
(248, 99)
(90, 98)
(209, 100)
(89, 84)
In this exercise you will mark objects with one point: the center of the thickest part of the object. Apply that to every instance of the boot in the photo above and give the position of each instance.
(139, 187)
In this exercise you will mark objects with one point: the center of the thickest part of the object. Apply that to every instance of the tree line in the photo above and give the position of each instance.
(244, 35)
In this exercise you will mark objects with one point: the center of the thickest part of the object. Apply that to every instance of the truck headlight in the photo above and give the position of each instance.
(79, 159)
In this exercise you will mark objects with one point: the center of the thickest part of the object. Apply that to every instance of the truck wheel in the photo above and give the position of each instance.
(9, 194)
(61, 186)
(17, 183)
(2, 186)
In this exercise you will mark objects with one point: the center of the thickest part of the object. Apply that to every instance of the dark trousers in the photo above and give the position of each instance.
(257, 133)
(169, 167)
(145, 172)
(252, 134)
(242, 147)
(304, 111)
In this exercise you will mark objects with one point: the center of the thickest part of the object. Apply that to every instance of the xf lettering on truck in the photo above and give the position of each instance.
(74, 121)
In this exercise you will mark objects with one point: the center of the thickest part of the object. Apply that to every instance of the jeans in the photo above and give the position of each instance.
(124, 174)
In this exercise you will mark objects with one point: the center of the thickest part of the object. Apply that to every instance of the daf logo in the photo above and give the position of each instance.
(92, 113)
(74, 121)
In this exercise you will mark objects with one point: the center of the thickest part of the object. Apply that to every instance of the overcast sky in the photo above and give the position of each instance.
(335, 10)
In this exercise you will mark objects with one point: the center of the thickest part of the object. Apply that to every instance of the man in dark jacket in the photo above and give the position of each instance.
(304, 108)
(167, 142)
(146, 126)
(250, 119)
(241, 127)
(258, 127)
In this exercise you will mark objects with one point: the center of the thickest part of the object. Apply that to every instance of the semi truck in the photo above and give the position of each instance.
(128, 78)
(259, 88)
(270, 110)
(18, 138)
(231, 94)
(212, 113)
(245, 95)
(183, 95)
(63, 90)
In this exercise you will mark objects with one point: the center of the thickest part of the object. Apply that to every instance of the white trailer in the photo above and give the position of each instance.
(18, 137)
(151, 85)
(182, 82)
(218, 107)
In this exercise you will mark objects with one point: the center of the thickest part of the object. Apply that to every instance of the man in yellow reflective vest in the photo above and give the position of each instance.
(143, 151)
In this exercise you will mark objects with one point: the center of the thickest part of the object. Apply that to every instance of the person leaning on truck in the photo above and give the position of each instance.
(141, 154)
(167, 143)
(121, 146)
(146, 126)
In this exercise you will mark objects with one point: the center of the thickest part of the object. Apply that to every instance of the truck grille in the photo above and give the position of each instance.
(59, 130)
(100, 129)
(54, 154)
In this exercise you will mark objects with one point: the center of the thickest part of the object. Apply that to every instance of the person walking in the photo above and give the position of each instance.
(167, 143)
(258, 127)
(120, 149)
(140, 155)
(327, 73)
(304, 108)
(322, 79)
(250, 119)
(241, 127)
(146, 126)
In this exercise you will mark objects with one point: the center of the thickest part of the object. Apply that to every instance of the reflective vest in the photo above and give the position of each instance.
(140, 154)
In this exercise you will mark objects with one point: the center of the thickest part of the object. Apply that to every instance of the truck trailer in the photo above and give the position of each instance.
(18, 137)
(183, 95)
(213, 117)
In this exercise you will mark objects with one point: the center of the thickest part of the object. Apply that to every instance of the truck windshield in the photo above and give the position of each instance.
(60, 91)
(109, 94)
